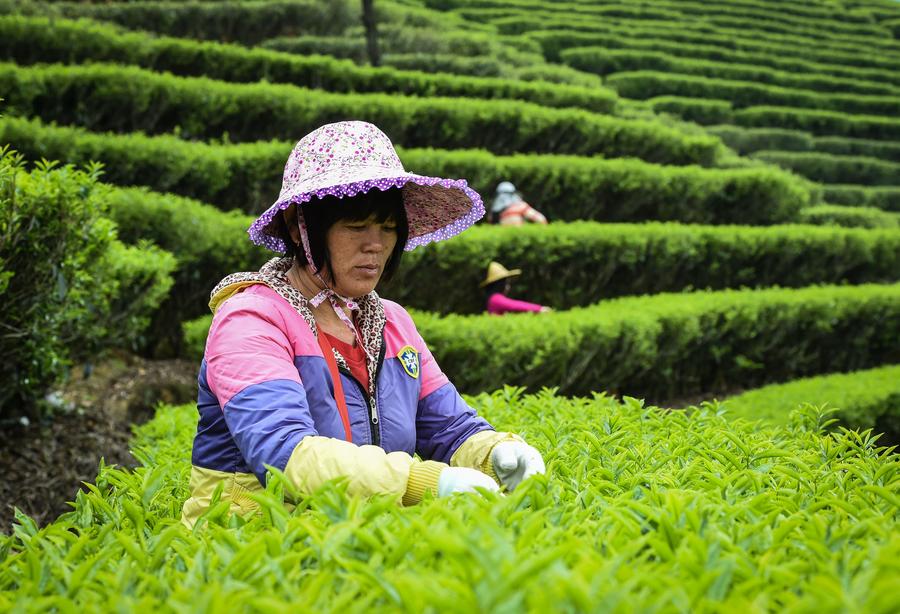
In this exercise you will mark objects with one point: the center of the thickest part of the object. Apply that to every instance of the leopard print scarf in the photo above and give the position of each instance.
(370, 318)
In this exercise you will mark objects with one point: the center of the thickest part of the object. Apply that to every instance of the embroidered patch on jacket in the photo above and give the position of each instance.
(409, 358)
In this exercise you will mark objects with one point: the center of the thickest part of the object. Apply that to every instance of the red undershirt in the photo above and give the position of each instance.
(355, 357)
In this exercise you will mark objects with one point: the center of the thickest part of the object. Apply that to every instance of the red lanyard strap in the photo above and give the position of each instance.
(336, 380)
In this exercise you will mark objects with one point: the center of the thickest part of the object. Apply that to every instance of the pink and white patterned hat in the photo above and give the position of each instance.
(352, 157)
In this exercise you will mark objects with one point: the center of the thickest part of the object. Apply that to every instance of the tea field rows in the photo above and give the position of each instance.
(723, 189)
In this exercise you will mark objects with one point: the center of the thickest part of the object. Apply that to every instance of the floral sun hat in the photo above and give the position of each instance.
(352, 157)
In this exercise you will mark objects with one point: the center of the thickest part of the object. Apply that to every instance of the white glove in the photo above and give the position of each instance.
(515, 461)
(463, 479)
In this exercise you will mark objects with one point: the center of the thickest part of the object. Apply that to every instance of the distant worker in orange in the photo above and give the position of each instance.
(496, 287)
(510, 209)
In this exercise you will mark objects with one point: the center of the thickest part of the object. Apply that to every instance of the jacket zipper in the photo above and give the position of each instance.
(370, 400)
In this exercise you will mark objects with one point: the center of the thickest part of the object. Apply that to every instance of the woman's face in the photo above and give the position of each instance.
(359, 252)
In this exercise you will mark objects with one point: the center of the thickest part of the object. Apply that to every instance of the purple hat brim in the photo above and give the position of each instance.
(260, 231)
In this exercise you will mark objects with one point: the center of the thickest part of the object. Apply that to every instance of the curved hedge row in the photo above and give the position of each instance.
(887, 198)
(829, 52)
(858, 147)
(703, 111)
(751, 13)
(605, 61)
(862, 399)
(509, 21)
(829, 168)
(245, 22)
(248, 176)
(692, 510)
(208, 243)
(580, 263)
(823, 123)
(39, 39)
(673, 344)
(564, 265)
(669, 345)
(748, 140)
(95, 96)
(713, 46)
(644, 84)
(855, 217)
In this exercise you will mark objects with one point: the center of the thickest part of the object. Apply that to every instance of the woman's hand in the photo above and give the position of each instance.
(515, 461)
(463, 479)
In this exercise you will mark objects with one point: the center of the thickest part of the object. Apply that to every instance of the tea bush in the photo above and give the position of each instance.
(699, 32)
(248, 176)
(826, 123)
(565, 264)
(96, 96)
(580, 263)
(703, 111)
(830, 168)
(747, 140)
(859, 217)
(885, 197)
(638, 345)
(31, 40)
(604, 61)
(722, 48)
(858, 147)
(642, 84)
(861, 399)
(641, 509)
(246, 22)
(69, 289)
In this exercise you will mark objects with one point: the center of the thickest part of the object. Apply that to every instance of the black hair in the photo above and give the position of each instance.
(501, 286)
(320, 214)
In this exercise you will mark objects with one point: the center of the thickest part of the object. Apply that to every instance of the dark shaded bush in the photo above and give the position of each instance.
(69, 288)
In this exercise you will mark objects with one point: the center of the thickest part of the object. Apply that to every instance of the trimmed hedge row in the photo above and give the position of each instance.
(580, 263)
(679, 11)
(605, 61)
(760, 16)
(858, 217)
(718, 47)
(703, 111)
(692, 511)
(96, 97)
(748, 140)
(669, 345)
(564, 265)
(248, 176)
(862, 399)
(858, 147)
(643, 84)
(828, 51)
(829, 168)
(823, 123)
(208, 243)
(656, 16)
(245, 176)
(887, 198)
(40, 39)
(243, 21)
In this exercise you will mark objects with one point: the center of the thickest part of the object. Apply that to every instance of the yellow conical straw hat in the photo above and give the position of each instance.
(496, 272)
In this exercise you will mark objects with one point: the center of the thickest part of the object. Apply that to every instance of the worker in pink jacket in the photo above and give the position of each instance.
(496, 286)
(307, 370)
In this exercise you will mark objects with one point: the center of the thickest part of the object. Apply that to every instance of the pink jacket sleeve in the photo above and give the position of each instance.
(499, 304)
